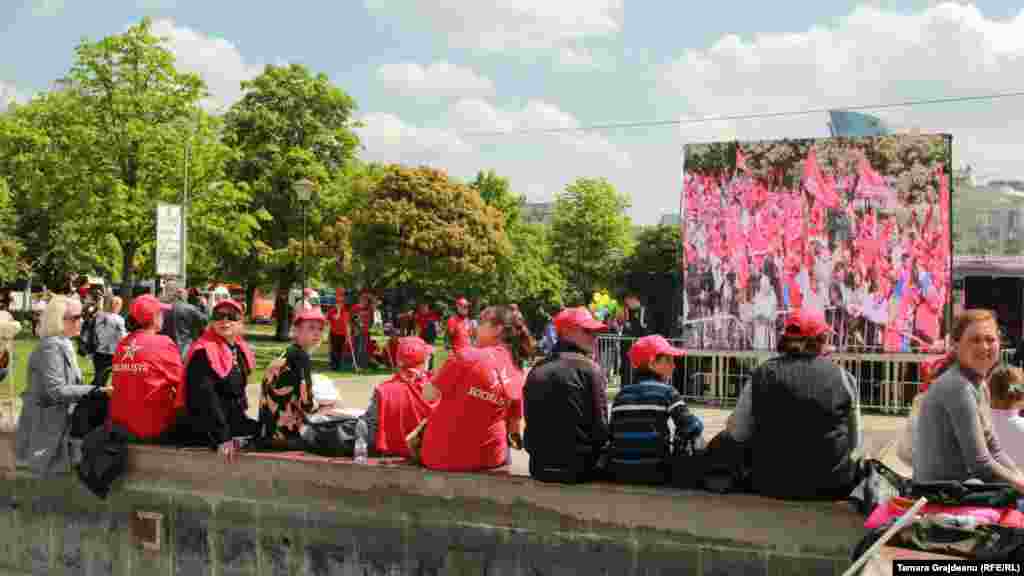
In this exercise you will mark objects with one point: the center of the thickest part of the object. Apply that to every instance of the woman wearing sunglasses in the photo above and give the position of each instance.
(217, 369)
(54, 385)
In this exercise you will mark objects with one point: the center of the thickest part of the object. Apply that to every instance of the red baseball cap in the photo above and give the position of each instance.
(412, 351)
(578, 317)
(461, 302)
(646, 349)
(313, 314)
(806, 323)
(145, 308)
(230, 303)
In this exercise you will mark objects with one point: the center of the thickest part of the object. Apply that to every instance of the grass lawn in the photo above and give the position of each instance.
(260, 337)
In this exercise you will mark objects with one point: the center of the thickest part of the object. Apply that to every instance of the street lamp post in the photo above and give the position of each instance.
(303, 191)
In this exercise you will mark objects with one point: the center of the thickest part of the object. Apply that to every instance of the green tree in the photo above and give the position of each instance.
(657, 251)
(290, 124)
(526, 275)
(495, 191)
(422, 230)
(10, 247)
(136, 104)
(46, 153)
(590, 234)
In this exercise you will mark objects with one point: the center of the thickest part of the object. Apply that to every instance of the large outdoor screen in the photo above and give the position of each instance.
(857, 228)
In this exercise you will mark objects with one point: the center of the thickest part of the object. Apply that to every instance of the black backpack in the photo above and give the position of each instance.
(103, 460)
(89, 413)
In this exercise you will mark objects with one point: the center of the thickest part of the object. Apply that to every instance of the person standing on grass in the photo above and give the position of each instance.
(109, 328)
(339, 318)
(459, 327)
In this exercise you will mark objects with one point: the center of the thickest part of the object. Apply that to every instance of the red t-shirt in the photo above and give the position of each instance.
(338, 317)
(458, 332)
(400, 409)
(147, 371)
(422, 319)
(481, 388)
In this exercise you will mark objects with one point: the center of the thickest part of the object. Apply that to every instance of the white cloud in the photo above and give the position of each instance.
(870, 56)
(576, 57)
(539, 165)
(503, 25)
(386, 138)
(47, 7)
(218, 61)
(438, 80)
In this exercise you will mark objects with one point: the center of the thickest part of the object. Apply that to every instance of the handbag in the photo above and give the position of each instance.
(689, 461)
(89, 413)
(332, 436)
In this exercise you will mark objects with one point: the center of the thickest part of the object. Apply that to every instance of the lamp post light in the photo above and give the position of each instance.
(303, 191)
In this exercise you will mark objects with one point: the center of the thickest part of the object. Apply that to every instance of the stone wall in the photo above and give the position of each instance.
(271, 515)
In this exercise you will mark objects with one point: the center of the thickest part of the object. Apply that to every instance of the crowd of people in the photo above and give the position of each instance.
(796, 432)
(841, 242)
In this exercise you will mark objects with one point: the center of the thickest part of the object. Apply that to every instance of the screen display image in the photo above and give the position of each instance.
(856, 228)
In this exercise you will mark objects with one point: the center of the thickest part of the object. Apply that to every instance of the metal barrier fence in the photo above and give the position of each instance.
(886, 382)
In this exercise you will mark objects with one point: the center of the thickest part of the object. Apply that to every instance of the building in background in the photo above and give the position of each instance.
(669, 220)
(538, 212)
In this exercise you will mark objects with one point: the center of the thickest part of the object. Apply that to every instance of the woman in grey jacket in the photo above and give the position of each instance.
(54, 386)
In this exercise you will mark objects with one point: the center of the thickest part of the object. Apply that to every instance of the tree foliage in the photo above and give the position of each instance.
(10, 247)
(590, 235)
(496, 191)
(290, 124)
(427, 232)
(135, 105)
(657, 251)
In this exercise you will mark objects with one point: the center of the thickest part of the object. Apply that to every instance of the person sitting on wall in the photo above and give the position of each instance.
(798, 421)
(54, 387)
(1007, 388)
(287, 391)
(954, 438)
(146, 374)
(640, 437)
(566, 403)
(481, 403)
(217, 368)
(398, 406)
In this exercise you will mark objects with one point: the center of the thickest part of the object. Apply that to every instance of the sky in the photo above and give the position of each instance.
(468, 85)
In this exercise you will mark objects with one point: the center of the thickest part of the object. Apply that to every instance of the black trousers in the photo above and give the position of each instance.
(101, 364)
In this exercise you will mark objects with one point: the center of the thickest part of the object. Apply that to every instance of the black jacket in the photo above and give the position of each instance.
(566, 407)
(801, 444)
(215, 407)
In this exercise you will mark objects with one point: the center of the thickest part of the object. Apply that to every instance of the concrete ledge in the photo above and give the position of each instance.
(485, 516)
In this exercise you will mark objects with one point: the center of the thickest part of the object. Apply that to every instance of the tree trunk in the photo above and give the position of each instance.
(250, 297)
(128, 275)
(282, 312)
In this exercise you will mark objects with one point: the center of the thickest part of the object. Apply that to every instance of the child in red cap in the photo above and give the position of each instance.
(397, 406)
(287, 390)
(641, 442)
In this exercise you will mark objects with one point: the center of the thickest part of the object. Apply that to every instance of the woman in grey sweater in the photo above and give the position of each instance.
(54, 386)
(953, 438)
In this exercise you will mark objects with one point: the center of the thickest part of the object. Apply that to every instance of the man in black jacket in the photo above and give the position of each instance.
(635, 326)
(566, 403)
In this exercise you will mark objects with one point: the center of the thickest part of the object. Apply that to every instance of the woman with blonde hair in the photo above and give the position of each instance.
(54, 386)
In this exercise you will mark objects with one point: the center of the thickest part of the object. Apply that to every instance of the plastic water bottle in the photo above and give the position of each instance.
(360, 448)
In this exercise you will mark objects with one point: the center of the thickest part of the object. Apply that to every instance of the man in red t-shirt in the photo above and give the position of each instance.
(147, 372)
(459, 330)
(338, 318)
